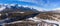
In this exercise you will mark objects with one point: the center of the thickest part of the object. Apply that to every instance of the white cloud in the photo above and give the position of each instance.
(39, 8)
(56, 9)
(35, 7)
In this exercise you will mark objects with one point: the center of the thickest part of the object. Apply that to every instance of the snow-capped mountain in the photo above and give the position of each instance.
(14, 7)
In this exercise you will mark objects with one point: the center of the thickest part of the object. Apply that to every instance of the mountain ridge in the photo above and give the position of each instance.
(17, 8)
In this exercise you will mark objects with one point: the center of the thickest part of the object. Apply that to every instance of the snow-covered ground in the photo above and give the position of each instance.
(35, 19)
(48, 21)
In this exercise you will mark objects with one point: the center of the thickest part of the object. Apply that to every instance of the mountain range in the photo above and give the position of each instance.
(12, 8)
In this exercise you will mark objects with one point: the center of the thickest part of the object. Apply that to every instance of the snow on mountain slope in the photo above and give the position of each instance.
(15, 7)
(2, 8)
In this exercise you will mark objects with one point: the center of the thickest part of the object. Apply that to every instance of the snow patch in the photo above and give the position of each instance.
(2, 8)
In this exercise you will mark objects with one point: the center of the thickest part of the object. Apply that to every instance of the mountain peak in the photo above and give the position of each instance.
(15, 7)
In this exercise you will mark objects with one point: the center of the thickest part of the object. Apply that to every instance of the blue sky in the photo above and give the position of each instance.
(37, 4)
